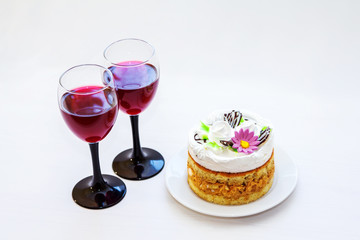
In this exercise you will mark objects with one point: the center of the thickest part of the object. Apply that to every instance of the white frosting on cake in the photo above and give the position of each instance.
(221, 158)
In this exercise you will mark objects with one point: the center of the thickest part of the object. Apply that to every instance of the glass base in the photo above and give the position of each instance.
(126, 166)
(99, 196)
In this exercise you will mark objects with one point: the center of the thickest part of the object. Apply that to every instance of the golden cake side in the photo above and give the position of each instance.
(230, 188)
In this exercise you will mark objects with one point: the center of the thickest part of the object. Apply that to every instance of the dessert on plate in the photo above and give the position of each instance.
(231, 157)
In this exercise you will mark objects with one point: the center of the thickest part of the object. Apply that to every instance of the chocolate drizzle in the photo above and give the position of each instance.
(226, 143)
(264, 134)
(198, 139)
(233, 118)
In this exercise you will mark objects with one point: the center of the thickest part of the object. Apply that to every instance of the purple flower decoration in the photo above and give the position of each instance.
(245, 141)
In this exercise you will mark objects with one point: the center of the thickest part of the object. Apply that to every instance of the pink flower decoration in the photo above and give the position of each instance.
(245, 141)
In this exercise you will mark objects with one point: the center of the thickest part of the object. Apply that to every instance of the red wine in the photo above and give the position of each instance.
(135, 85)
(89, 116)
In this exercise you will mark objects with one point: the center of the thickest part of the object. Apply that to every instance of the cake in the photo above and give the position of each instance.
(231, 157)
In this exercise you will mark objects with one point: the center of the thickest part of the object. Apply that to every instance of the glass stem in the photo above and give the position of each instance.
(98, 179)
(137, 152)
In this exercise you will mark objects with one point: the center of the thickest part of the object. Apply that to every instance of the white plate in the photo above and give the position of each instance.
(285, 179)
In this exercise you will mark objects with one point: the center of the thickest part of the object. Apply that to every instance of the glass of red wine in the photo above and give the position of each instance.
(89, 106)
(136, 71)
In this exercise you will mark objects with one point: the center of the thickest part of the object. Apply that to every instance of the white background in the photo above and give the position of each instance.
(296, 63)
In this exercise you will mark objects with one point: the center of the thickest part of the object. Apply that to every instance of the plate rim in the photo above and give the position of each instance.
(203, 210)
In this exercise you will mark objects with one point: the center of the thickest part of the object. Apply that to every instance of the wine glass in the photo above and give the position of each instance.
(136, 71)
(88, 104)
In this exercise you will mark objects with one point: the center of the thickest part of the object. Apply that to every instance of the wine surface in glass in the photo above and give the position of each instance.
(90, 116)
(135, 84)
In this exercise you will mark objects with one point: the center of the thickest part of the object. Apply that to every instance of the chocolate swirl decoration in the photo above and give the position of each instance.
(233, 118)
(264, 134)
(226, 143)
(198, 139)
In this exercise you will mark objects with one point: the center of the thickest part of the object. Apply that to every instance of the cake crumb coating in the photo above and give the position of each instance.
(230, 188)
